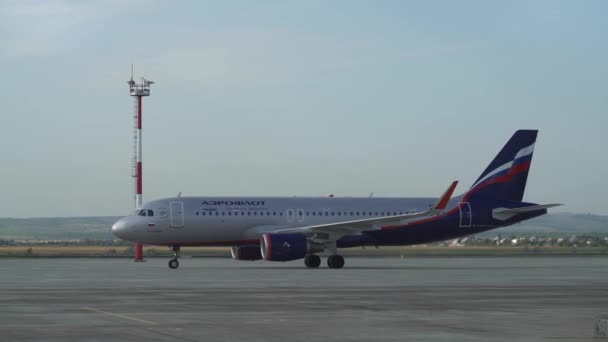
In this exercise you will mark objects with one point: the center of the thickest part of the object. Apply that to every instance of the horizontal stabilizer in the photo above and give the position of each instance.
(506, 213)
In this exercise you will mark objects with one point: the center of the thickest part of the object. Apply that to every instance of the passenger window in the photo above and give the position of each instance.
(339, 213)
(204, 213)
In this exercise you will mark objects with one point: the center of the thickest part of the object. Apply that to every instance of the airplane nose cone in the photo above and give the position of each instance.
(119, 229)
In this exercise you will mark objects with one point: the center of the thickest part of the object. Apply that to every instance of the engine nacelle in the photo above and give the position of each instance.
(246, 252)
(283, 247)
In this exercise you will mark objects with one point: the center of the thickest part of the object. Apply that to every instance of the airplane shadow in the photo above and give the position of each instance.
(375, 268)
(321, 268)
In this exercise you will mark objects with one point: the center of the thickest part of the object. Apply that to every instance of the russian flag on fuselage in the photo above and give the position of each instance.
(505, 178)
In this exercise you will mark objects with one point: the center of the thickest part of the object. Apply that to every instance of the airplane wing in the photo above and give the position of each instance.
(338, 229)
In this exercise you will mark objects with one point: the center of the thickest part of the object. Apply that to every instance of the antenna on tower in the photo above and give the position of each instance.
(131, 82)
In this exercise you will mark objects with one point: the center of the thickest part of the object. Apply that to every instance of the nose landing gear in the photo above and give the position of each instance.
(173, 263)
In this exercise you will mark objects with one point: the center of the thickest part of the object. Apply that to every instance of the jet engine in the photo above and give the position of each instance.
(251, 252)
(285, 247)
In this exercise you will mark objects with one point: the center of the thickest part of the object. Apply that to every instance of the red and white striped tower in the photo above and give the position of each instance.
(138, 91)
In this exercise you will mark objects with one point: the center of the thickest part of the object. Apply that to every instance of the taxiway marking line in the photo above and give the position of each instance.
(118, 315)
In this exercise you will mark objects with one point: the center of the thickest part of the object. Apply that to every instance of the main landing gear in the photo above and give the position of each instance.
(312, 261)
(173, 263)
(333, 261)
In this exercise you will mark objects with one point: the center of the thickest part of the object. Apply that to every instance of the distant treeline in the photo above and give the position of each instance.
(84, 242)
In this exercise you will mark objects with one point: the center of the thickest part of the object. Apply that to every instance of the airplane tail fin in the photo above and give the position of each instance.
(505, 178)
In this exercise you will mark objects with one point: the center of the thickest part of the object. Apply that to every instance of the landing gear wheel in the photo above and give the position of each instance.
(335, 261)
(312, 261)
(173, 263)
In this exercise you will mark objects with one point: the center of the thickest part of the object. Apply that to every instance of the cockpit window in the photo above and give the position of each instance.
(142, 212)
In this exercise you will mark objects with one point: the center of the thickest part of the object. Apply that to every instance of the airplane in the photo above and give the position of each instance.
(292, 228)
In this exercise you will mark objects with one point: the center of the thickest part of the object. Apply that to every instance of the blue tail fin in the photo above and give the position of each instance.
(505, 178)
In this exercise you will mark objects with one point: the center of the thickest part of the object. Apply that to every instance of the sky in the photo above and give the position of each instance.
(305, 98)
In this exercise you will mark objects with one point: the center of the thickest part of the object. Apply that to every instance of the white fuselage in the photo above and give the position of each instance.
(237, 220)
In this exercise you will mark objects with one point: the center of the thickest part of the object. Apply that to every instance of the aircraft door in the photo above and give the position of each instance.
(465, 214)
(290, 215)
(300, 216)
(177, 214)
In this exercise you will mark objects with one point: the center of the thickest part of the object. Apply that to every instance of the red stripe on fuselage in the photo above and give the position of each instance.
(499, 179)
(426, 220)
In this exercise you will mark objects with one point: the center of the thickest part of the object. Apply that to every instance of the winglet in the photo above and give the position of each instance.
(442, 202)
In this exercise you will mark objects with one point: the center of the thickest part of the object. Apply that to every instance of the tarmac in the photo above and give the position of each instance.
(371, 299)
